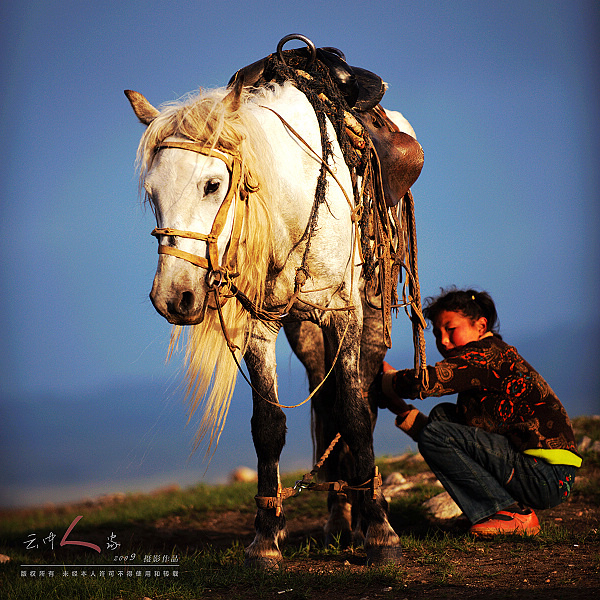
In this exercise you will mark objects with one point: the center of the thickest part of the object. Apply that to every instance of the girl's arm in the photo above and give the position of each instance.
(467, 370)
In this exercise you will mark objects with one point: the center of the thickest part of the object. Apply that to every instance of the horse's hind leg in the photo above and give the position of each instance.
(338, 467)
(382, 543)
(306, 340)
(268, 434)
(353, 417)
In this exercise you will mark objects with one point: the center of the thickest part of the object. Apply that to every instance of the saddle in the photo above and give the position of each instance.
(399, 156)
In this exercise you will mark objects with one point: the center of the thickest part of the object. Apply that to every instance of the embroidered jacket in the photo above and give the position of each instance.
(501, 393)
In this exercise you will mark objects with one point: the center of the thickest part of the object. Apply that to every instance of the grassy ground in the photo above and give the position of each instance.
(188, 544)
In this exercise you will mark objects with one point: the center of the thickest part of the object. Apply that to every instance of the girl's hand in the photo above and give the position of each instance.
(387, 397)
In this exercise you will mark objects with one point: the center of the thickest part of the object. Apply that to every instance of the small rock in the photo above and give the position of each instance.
(442, 506)
(392, 491)
(395, 478)
(584, 444)
(398, 489)
(243, 475)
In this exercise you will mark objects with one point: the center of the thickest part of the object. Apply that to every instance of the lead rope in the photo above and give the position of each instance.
(413, 300)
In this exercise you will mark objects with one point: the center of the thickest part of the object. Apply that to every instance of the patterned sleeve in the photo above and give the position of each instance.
(467, 369)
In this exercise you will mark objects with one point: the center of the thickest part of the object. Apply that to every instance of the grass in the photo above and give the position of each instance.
(217, 572)
(233, 579)
(310, 569)
(200, 498)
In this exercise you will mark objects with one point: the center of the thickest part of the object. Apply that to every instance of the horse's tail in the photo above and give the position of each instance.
(211, 370)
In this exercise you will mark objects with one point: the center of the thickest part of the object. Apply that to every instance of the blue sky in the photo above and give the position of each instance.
(503, 97)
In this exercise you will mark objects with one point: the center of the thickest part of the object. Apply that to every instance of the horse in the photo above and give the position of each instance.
(244, 251)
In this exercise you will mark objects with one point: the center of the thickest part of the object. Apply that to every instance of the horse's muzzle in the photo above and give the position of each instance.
(179, 308)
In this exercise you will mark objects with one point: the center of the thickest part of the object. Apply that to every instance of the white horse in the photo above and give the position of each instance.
(244, 249)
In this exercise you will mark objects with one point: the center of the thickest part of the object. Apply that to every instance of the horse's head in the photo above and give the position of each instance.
(200, 160)
(193, 190)
(188, 192)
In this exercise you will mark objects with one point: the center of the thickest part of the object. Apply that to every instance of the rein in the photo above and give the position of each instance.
(355, 212)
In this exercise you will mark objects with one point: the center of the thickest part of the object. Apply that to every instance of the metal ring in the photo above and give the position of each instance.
(211, 279)
(302, 38)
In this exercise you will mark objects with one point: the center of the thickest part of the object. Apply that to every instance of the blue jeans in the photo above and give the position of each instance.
(483, 473)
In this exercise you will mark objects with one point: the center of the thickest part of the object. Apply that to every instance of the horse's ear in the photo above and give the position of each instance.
(143, 110)
(233, 98)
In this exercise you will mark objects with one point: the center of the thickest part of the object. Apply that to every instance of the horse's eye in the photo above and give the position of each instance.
(211, 186)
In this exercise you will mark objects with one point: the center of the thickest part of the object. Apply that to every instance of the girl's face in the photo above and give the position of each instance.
(453, 330)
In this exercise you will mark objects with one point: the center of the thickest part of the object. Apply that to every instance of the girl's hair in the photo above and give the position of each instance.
(470, 303)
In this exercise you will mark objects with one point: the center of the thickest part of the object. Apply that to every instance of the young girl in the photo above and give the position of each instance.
(507, 444)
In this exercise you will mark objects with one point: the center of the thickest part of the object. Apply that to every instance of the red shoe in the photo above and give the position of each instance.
(507, 523)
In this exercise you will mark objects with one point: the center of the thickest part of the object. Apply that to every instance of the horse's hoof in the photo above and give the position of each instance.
(378, 556)
(262, 563)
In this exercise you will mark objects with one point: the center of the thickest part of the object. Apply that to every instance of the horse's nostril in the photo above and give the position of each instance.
(186, 302)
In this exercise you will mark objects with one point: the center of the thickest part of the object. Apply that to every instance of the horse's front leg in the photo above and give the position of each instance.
(354, 419)
(268, 435)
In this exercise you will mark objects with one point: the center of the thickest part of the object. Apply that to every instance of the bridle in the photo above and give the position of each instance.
(219, 277)
(218, 274)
